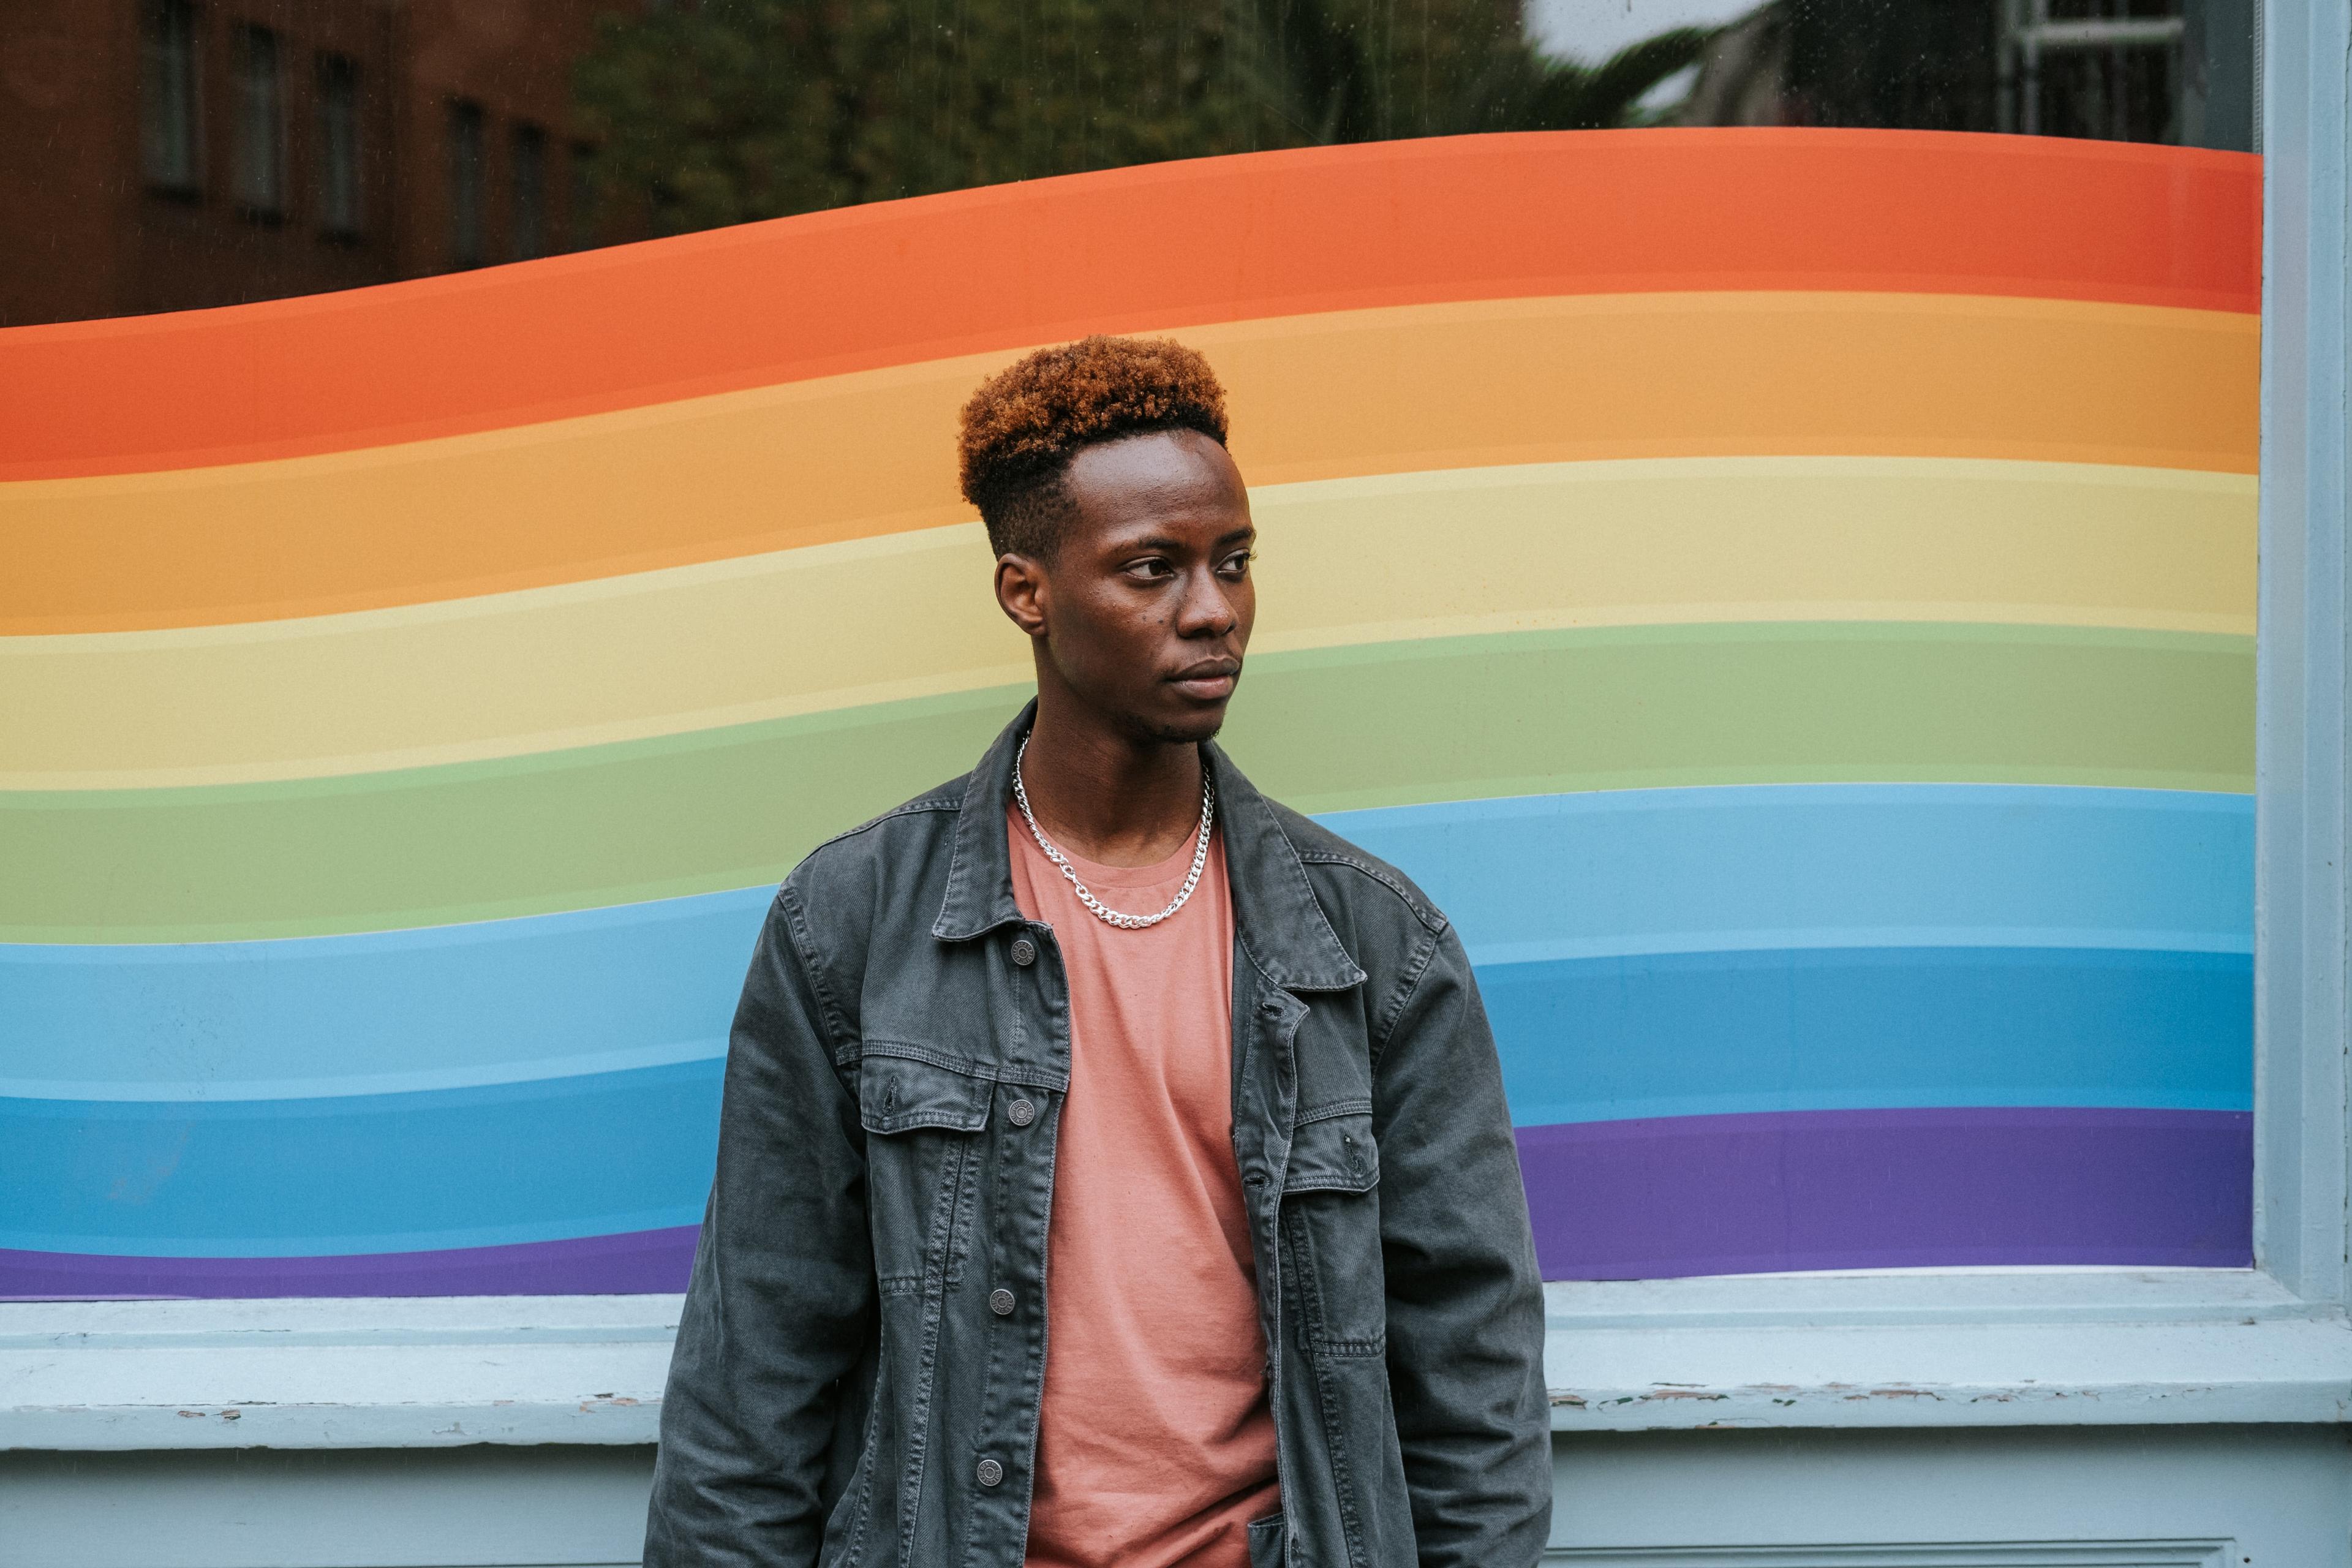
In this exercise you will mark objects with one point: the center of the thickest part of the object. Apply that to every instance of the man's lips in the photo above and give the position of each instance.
(1209, 682)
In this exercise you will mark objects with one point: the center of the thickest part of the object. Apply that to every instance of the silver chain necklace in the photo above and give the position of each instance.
(1110, 916)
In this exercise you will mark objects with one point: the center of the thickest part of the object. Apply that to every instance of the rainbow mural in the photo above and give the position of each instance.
(1789, 594)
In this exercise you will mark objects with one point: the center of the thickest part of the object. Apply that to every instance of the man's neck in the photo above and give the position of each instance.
(1107, 796)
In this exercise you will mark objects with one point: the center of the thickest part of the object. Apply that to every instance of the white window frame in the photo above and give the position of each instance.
(1908, 1348)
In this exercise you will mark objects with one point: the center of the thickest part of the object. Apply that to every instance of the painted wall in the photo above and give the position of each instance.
(1788, 594)
(2147, 1497)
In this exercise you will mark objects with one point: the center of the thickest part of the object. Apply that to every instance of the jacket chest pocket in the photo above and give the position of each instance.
(1332, 1232)
(923, 1121)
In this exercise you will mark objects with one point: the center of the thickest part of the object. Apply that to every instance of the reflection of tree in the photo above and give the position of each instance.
(1537, 94)
(744, 109)
(1310, 66)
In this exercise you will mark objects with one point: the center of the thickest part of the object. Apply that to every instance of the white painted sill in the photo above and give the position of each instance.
(1944, 1347)
(1958, 1349)
(371, 1374)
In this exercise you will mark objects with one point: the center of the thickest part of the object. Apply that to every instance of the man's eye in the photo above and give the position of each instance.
(1151, 569)
(1237, 565)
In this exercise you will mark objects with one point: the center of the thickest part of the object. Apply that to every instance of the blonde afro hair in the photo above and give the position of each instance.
(1025, 422)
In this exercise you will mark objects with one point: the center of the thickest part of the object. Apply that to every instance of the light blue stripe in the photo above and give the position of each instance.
(1679, 870)
(391, 1012)
(1497, 952)
(711, 1048)
(1537, 878)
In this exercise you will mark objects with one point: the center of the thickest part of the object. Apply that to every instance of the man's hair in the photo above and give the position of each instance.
(1025, 422)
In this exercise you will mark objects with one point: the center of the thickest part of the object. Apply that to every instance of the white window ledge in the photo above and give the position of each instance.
(1972, 1349)
(2025, 1348)
(333, 1373)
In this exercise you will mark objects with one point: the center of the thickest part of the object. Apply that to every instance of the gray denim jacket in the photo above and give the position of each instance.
(858, 1368)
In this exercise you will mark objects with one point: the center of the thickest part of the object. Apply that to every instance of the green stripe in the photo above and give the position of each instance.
(1390, 723)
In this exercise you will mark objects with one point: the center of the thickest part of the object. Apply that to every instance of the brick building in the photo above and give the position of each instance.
(166, 155)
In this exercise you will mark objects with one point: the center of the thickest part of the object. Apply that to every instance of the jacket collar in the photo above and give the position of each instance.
(980, 873)
(1275, 912)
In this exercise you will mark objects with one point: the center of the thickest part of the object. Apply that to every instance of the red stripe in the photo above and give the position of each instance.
(1133, 249)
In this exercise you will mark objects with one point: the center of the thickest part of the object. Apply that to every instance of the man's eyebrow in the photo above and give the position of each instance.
(1170, 541)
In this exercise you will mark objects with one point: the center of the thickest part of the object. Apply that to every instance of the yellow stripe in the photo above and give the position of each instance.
(1395, 390)
(1344, 561)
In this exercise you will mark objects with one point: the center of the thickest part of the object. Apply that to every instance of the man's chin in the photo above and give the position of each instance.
(1188, 729)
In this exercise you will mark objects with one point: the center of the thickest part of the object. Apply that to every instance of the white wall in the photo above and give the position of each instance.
(2217, 1497)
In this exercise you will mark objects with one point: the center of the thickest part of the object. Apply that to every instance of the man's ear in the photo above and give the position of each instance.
(1021, 593)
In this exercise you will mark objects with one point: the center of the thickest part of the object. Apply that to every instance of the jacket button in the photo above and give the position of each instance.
(990, 1472)
(1025, 952)
(999, 1302)
(1021, 1112)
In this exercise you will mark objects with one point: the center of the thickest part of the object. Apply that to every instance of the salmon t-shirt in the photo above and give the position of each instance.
(1155, 1445)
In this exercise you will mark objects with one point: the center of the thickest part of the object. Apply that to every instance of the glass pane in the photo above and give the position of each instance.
(167, 94)
(338, 146)
(260, 163)
(528, 222)
(466, 244)
(1760, 522)
(584, 195)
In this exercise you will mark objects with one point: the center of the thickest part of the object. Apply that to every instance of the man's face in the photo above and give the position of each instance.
(1146, 606)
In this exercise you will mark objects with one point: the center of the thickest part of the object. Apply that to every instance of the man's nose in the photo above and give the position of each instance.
(1205, 612)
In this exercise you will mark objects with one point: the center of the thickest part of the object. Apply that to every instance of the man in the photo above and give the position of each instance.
(1114, 1169)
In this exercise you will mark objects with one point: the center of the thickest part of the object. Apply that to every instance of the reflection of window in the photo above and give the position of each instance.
(167, 94)
(2134, 70)
(529, 181)
(258, 180)
(2107, 69)
(339, 146)
(464, 182)
(583, 215)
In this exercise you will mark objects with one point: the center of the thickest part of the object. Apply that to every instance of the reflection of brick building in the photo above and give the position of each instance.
(162, 154)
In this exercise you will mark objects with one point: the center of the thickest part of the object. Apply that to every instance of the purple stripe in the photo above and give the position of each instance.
(1661, 1198)
(1612, 1200)
(638, 1262)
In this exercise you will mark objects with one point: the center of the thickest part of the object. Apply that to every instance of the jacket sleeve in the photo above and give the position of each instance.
(1464, 1299)
(781, 1296)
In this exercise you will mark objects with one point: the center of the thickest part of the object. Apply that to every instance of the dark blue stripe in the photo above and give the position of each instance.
(551, 1159)
(1822, 1029)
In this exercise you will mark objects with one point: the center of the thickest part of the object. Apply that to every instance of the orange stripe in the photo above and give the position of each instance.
(1169, 245)
(1330, 395)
